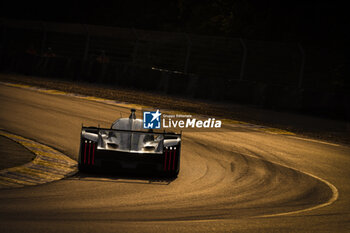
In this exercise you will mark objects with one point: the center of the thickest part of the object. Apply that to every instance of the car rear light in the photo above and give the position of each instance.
(165, 158)
(174, 153)
(169, 158)
(85, 151)
(89, 153)
(93, 153)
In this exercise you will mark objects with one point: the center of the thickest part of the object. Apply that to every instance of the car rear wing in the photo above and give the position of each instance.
(95, 129)
(133, 141)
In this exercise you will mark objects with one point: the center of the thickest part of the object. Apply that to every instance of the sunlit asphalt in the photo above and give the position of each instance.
(238, 180)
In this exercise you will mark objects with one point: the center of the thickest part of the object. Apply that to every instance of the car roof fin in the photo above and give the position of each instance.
(132, 115)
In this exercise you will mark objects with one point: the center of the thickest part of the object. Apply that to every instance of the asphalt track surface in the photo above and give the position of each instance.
(19, 154)
(238, 180)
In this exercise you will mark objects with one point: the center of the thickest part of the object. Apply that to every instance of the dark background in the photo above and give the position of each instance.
(274, 33)
(312, 22)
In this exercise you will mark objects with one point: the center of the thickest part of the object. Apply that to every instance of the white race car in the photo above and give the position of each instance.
(127, 148)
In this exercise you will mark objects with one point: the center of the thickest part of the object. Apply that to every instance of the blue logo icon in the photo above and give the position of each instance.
(151, 120)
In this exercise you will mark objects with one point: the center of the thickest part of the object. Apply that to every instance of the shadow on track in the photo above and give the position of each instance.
(122, 178)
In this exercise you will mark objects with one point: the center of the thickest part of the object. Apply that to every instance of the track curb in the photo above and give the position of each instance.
(47, 166)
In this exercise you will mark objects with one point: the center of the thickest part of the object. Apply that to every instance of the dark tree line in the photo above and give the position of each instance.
(289, 20)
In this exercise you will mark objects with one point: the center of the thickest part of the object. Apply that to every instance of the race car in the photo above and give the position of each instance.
(127, 148)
